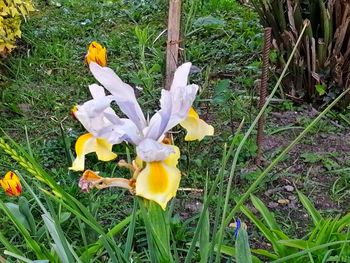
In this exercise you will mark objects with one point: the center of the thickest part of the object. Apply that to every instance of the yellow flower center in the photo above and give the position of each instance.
(158, 182)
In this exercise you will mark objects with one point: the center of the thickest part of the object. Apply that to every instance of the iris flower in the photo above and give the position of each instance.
(159, 179)
(156, 176)
(11, 184)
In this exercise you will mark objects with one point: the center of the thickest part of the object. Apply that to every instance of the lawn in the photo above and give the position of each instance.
(45, 77)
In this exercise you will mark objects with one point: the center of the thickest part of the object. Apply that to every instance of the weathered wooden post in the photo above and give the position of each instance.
(172, 51)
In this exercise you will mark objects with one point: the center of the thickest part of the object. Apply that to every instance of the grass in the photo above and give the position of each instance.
(46, 76)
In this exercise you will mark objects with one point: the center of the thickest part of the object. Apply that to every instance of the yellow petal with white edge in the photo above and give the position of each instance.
(86, 144)
(104, 150)
(196, 128)
(158, 182)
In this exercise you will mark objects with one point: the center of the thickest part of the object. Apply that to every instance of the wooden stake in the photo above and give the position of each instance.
(172, 51)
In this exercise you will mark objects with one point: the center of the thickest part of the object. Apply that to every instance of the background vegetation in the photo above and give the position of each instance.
(46, 76)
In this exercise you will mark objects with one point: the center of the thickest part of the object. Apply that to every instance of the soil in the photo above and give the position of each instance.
(314, 179)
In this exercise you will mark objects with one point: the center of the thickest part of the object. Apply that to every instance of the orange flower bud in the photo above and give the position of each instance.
(96, 53)
(11, 184)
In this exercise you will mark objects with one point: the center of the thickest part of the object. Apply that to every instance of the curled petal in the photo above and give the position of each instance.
(181, 76)
(96, 53)
(86, 144)
(196, 128)
(91, 180)
(11, 184)
(151, 151)
(158, 182)
(92, 113)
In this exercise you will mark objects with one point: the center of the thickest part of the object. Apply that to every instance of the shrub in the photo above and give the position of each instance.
(10, 22)
(320, 68)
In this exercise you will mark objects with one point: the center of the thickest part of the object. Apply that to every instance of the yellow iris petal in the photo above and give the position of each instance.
(96, 53)
(159, 181)
(173, 158)
(11, 184)
(196, 128)
(86, 144)
(104, 150)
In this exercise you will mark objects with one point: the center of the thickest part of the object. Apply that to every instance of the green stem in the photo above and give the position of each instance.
(210, 195)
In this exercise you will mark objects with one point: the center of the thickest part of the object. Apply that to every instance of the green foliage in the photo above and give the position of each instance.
(10, 22)
(95, 228)
(243, 254)
(328, 239)
(318, 70)
(325, 159)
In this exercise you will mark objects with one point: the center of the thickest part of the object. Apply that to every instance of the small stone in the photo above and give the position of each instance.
(272, 205)
(289, 188)
(283, 201)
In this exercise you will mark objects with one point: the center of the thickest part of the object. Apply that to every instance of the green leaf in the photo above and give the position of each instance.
(209, 21)
(204, 238)
(14, 209)
(264, 253)
(311, 157)
(131, 230)
(64, 217)
(266, 214)
(307, 251)
(58, 245)
(326, 231)
(231, 251)
(264, 229)
(315, 215)
(25, 210)
(297, 243)
(24, 259)
(39, 251)
(343, 222)
(243, 254)
(321, 89)
(8, 245)
(157, 231)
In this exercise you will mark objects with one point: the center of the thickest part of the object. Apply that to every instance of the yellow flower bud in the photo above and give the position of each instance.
(96, 53)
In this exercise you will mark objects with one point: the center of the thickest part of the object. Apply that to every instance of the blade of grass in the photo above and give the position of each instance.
(39, 251)
(247, 134)
(61, 244)
(306, 251)
(131, 230)
(111, 247)
(22, 258)
(315, 215)
(251, 189)
(205, 231)
(217, 213)
(8, 245)
(243, 254)
(225, 159)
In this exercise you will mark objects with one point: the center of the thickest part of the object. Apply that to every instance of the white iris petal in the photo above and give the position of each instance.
(99, 118)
